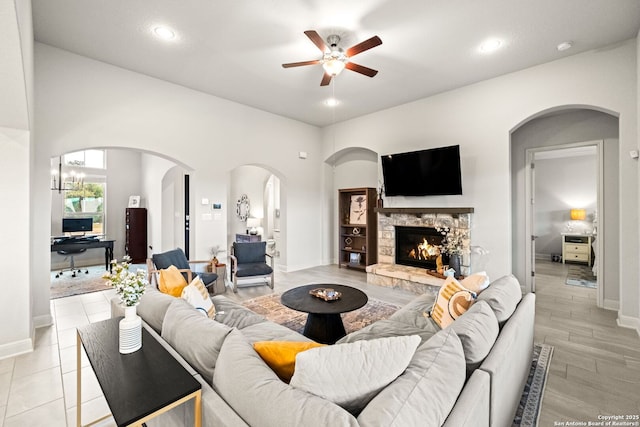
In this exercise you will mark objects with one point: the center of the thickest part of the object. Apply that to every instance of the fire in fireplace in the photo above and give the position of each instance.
(418, 246)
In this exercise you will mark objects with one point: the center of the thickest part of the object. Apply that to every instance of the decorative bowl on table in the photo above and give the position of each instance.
(326, 294)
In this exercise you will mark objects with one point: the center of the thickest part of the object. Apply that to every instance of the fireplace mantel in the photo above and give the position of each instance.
(420, 211)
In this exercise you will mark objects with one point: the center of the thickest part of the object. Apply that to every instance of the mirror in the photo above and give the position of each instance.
(243, 207)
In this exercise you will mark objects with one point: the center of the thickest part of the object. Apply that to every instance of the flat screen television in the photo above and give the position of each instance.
(74, 225)
(431, 172)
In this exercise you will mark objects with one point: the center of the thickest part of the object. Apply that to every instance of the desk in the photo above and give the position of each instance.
(137, 386)
(71, 245)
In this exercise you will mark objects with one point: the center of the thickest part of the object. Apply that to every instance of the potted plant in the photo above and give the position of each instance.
(455, 243)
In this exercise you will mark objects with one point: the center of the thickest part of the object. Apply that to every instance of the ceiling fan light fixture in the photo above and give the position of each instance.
(333, 66)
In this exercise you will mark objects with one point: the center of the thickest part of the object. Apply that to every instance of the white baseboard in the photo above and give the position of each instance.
(629, 322)
(16, 348)
(42, 321)
(610, 304)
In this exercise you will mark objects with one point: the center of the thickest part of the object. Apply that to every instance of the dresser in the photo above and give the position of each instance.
(576, 248)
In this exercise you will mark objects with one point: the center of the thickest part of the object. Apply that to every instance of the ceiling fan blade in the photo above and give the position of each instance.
(299, 64)
(369, 72)
(365, 45)
(326, 79)
(317, 40)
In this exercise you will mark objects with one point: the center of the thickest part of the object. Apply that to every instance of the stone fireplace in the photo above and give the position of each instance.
(393, 269)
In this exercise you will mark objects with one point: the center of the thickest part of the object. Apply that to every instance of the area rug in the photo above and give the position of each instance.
(270, 307)
(528, 411)
(66, 285)
(581, 275)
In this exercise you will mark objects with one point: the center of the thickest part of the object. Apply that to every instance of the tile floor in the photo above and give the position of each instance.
(595, 368)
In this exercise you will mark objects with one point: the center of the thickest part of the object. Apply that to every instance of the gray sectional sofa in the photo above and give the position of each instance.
(471, 373)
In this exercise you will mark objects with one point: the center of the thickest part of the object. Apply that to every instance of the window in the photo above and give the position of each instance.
(86, 198)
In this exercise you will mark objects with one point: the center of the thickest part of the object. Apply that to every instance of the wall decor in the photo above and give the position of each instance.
(243, 207)
(358, 209)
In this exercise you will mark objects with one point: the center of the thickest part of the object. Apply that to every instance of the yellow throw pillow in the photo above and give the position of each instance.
(453, 300)
(281, 355)
(196, 294)
(171, 281)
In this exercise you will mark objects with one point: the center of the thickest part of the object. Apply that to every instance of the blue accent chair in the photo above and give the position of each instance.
(249, 261)
(178, 258)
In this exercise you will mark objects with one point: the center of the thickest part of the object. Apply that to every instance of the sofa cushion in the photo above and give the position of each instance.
(477, 330)
(153, 307)
(502, 295)
(253, 269)
(413, 313)
(197, 295)
(197, 338)
(256, 393)
(171, 281)
(427, 391)
(453, 300)
(281, 355)
(350, 375)
(387, 328)
(233, 314)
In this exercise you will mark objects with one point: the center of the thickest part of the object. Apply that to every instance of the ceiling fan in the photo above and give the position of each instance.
(335, 59)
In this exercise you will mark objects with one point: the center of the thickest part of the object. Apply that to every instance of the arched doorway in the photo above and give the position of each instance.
(556, 129)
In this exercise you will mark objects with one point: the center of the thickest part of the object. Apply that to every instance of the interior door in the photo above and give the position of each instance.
(532, 208)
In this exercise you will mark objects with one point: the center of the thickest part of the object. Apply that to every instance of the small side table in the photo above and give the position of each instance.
(137, 386)
(576, 248)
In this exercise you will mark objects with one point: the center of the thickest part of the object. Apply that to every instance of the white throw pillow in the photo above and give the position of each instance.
(350, 375)
(477, 282)
(196, 294)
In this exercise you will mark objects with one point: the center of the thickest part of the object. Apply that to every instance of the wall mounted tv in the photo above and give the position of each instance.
(431, 172)
(74, 225)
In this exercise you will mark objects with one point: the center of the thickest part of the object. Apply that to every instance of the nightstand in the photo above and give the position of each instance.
(576, 248)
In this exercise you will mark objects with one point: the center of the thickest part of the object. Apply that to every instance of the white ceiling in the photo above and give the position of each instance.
(234, 48)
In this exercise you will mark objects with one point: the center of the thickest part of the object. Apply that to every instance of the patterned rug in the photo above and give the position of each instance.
(66, 285)
(270, 307)
(529, 409)
(581, 275)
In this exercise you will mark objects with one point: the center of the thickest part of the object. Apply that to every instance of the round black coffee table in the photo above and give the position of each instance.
(324, 324)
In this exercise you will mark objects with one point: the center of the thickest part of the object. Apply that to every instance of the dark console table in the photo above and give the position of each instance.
(324, 323)
(77, 244)
(137, 386)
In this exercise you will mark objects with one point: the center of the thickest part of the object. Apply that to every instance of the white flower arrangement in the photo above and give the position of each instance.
(128, 285)
(455, 241)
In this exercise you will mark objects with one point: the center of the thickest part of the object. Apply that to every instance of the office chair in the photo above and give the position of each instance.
(72, 267)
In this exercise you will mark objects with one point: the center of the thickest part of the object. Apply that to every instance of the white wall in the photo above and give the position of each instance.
(17, 306)
(84, 103)
(563, 184)
(480, 118)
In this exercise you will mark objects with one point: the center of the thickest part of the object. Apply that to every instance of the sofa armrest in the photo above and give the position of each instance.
(509, 362)
(472, 406)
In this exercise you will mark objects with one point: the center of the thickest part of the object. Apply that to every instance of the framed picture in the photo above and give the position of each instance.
(358, 209)
(354, 258)
(134, 201)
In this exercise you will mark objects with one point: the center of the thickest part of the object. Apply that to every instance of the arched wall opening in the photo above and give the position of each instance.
(555, 128)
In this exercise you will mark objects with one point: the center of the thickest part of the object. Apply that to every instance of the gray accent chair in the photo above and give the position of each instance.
(249, 261)
(178, 258)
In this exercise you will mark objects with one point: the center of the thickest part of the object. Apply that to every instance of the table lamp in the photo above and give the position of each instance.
(252, 223)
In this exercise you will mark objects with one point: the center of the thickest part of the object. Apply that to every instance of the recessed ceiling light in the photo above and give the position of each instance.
(564, 46)
(331, 102)
(490, 45)
(165, 33)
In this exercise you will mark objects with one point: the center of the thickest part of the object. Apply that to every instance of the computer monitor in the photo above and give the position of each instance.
(74, 225)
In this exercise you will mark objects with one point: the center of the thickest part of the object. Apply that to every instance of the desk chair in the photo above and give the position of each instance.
(72, 267)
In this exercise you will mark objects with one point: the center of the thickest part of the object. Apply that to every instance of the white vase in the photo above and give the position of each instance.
(130, 331)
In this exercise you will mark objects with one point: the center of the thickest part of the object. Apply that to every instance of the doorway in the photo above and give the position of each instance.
(564, 205)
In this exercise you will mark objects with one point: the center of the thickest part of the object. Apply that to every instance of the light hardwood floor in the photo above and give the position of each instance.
(595, 368)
